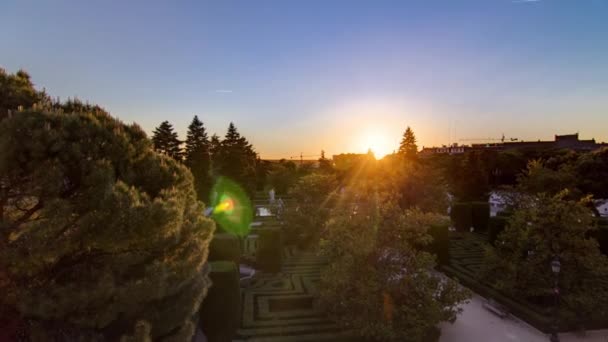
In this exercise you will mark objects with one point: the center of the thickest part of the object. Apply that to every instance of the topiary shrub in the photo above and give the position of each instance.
(495, 226)
(441, 243)
(461, 216)
(220, 312)
(97, 231)
(225, 247)
(270, 250)
(480, 212)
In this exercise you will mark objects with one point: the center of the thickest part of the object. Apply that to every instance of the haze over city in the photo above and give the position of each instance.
(295, 77)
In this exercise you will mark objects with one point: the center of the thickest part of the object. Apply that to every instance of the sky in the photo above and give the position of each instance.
(342, 76)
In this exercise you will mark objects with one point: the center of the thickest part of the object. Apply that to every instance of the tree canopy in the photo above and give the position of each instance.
(128, 237)
(198, 159)
(543, 228)
(166, 141)
(378, 283)
(17, 91)
(235, 158)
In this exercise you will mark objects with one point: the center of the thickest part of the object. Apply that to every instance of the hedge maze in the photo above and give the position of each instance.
(466, 253)
(283, 306)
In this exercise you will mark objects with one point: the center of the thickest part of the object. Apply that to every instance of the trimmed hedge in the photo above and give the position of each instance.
(225, 247)
(495, 226)
(270, 250)
(441, 243)
(461, 216)
(480, 212)
(220, 312)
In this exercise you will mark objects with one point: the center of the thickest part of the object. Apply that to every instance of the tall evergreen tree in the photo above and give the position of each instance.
(197, 158)
(237, 159)
(408, 147)
(165, 140)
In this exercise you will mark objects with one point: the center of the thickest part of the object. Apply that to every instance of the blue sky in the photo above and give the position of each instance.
(301, 76)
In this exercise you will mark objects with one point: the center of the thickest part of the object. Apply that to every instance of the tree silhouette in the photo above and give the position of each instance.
(408, 147)
(236, 159)
(165, 141)
(197, 158)
(324, 163)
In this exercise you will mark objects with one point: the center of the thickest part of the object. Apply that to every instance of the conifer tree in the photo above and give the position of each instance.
(408, 147)
(17, 91)
(165, 141)
(237, 159)
(198, 159)
(97, 231)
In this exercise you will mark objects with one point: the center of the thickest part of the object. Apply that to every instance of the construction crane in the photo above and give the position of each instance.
(502, 139)
(302, 156)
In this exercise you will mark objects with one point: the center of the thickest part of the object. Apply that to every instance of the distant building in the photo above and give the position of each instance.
(568, 141)
(454, 149)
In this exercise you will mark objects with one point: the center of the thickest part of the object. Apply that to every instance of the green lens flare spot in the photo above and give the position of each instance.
(232, 208)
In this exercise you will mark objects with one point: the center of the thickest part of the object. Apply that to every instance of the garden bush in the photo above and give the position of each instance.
(220, 313)
(441, 243)
(225, 247)
(461, 216)
(270, 250)
(480, 212)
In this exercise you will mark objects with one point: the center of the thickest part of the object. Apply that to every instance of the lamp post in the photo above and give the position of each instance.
(555, 268)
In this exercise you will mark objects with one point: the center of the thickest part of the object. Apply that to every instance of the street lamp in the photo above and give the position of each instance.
(555, 268)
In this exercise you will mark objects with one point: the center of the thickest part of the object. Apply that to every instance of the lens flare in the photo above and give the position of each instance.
(231, 207)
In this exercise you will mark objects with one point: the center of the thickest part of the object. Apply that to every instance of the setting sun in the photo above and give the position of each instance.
(378, 143)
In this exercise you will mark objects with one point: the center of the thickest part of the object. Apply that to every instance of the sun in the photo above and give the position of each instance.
(378, 143)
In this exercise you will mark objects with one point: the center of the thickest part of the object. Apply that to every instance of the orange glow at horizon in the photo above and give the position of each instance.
(378, 143)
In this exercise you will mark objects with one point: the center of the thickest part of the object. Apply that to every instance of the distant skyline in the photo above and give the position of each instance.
(302, 76)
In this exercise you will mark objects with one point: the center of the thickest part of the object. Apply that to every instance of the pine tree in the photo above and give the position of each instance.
(236, 159)
(129, 240)
(17, 91)
(198, 159)
(166, 141)
(408, 147)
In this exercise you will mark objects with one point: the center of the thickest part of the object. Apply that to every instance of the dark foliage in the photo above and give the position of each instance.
(165, 141)
(220, 312)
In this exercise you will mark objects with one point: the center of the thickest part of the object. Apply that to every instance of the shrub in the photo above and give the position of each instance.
(270, 250)
(220, 312)
(128, 236)
(441, 243)
(225, 247)
(462, 216)
(496, 225)
(480, 212)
